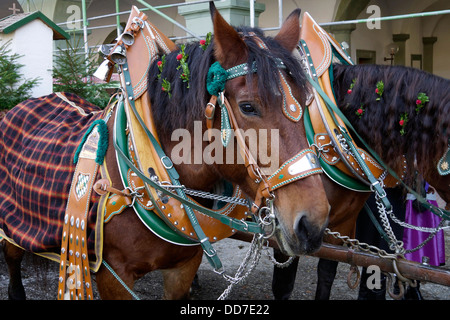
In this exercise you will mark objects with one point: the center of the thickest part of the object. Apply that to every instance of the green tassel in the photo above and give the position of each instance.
(102, 144)
(216, 79)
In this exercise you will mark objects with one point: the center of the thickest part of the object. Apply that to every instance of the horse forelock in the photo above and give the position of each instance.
(426, 132)
(266, 62)
(186, 105)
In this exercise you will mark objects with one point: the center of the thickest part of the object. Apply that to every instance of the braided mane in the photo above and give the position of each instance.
(426, 133)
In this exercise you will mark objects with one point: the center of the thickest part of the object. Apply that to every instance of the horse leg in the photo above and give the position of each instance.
(109, 287)
(283, 278)
(13, 257)
(326, 272)
(178, 280)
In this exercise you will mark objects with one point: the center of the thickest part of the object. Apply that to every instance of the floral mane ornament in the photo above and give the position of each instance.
(361, 110)
(422, 99)
(161, 64)
(166, 87)
(165, 84)
(379, 90)
(350, 90)
(185, 73)
(403, 121)
(182, 59)
(204, 43)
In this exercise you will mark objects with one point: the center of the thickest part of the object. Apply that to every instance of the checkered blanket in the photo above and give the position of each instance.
(38, 140)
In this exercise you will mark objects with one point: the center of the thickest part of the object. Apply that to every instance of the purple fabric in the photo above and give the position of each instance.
(435, 248)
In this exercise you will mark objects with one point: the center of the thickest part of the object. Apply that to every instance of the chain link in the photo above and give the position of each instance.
(207, 195)
(249, 263)
(280, 265)
(356, 244)
(394, 244)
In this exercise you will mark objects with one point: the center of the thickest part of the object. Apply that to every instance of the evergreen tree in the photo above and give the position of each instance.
(73, 73)
(13, 87)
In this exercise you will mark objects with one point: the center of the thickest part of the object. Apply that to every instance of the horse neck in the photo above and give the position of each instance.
(194, 172)
(424, 140)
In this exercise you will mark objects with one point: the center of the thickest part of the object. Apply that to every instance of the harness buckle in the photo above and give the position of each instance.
(135, 194)
(169, 164)
(210, 110)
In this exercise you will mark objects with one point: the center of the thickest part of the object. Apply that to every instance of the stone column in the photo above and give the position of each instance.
(342, 33)
(400, 56)
(235, 12)
(428, 43)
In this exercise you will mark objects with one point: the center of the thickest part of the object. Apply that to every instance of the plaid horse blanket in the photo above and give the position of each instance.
(38, 140)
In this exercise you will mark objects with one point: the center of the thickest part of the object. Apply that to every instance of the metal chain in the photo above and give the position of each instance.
(356, 244)
(432, 231)
(280, 265)
(206, 195)
(418, 228)
(394, 244)
(431, 236)
(248, 264)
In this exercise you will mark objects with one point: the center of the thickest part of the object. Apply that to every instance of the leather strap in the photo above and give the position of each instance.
(291, 107)
(74, 275)
(302, 165)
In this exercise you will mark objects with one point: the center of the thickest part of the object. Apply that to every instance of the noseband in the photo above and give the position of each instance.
(302, 165)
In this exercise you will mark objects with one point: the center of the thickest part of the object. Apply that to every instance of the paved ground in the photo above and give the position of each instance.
(40, 280)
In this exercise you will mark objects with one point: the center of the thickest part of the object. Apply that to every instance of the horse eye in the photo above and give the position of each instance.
(247, 108)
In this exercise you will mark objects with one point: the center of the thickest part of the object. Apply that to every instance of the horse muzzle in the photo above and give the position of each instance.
(303, 238)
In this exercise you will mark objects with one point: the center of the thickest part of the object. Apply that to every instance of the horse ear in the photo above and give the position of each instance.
(229, 48)
(289, 34)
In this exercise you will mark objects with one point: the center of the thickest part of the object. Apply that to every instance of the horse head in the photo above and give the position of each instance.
(269, 100)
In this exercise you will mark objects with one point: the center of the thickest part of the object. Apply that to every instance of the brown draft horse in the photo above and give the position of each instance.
(256, 101)
(424, 142)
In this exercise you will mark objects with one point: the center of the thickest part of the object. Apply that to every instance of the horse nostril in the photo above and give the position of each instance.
(308, 234)
(302, 229)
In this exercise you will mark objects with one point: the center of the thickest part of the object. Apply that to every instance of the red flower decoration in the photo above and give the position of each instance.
(202, 42)
(350, 90)
(360, 111)
(179, 57)
(379, 90)
(402, 122)
(159, 63)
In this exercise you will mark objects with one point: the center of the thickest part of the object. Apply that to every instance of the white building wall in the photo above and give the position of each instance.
(34, 42)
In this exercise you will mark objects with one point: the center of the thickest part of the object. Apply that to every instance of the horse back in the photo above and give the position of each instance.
(38, 139)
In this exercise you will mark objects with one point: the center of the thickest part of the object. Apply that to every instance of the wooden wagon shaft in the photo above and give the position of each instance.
(409, 269)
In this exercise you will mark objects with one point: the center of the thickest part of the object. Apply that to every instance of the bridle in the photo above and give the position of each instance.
(302, 165)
